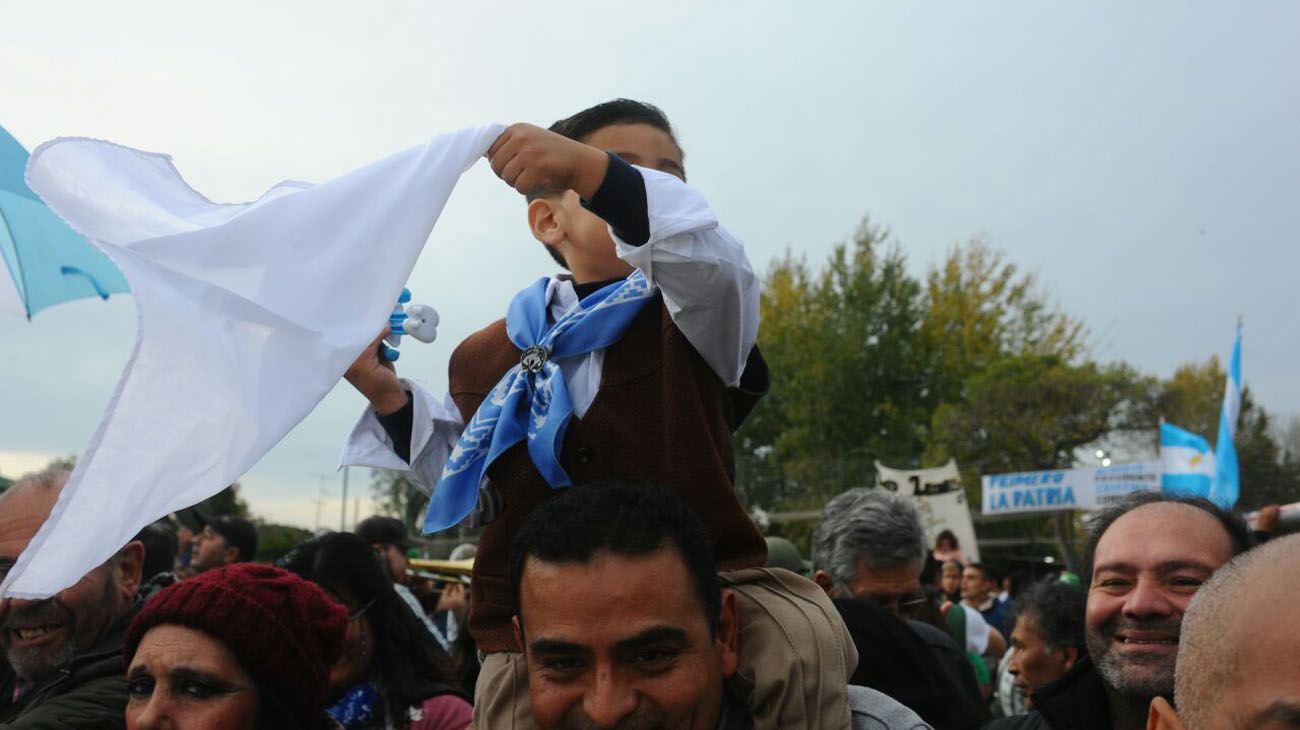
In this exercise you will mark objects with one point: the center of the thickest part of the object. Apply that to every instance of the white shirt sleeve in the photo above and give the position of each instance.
(705, 277)
(435, 429)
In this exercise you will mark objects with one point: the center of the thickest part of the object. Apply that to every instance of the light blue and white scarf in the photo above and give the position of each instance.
(531, 400)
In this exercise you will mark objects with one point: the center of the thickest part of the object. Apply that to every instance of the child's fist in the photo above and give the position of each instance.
(533, 160)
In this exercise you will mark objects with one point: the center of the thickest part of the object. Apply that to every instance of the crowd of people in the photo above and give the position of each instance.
(618, 581)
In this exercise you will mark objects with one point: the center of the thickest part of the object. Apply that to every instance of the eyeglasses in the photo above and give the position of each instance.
(905, 606)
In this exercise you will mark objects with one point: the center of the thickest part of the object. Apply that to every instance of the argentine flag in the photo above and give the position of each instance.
(1227, 487)
(1189, 464)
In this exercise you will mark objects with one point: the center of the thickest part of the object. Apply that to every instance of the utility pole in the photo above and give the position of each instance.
(343, 503)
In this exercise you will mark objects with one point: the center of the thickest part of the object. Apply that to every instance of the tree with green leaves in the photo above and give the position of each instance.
(848, 371)
(396, 496)
(1193, 399)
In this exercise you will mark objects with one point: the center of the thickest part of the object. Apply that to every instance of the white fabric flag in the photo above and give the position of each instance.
(247, 316)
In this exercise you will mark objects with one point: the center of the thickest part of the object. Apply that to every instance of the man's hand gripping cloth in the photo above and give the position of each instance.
(531, 400)
(247, 316)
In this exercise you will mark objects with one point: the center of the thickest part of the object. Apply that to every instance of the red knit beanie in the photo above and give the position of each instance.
(285, 631)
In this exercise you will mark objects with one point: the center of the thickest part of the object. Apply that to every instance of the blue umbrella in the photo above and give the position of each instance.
(45, 261)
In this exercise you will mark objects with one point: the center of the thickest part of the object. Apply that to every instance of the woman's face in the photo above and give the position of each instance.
(950, 581)
(183, 678)
(353, 666)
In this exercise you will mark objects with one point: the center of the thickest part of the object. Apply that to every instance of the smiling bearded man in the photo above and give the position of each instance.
(1145, 559)
(65, 650)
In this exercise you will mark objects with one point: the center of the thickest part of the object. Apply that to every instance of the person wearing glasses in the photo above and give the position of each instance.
(867, 554)
(392, 672)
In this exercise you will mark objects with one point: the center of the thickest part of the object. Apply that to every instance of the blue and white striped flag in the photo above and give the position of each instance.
(1227, 486)
(1188, 462)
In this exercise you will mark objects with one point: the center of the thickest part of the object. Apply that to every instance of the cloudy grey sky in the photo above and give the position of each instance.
(1143, 159)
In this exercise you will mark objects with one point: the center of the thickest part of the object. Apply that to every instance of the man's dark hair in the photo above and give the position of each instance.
(622, 518)
(587, 122)
(1057, 610)
(1238, 534)
(980, 567)
(160, 547)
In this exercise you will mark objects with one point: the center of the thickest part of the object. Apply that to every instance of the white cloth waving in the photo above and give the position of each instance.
(248, 315)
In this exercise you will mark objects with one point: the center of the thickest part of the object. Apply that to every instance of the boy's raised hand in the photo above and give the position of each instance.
(376, 378)
(533, 160)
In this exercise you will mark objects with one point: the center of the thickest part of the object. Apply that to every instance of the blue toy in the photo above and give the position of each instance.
(418, 320)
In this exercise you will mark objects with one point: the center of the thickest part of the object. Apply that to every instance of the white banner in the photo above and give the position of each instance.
(940, 498)
(1067, 489)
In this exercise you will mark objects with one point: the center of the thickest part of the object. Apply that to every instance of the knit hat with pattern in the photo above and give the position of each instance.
(285, 631)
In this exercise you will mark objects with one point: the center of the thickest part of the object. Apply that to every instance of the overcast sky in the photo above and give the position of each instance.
(1143, 159)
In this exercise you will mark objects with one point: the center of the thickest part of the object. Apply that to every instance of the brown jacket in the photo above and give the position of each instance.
(661, 415)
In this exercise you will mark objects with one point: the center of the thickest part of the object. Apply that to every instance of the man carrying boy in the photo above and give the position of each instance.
(638, 365)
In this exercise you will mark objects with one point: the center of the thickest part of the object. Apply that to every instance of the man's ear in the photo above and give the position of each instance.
(1071, 655)
(543, 221)
(825, 582)
(1161, 716)
(518, 627)
(130, 563)
(232, 554)
(729, 633)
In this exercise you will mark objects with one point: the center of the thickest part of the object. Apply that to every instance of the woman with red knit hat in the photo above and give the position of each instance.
(241, 647)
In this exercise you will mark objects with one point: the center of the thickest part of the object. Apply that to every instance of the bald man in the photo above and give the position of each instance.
(1238, 663)
(66, 651)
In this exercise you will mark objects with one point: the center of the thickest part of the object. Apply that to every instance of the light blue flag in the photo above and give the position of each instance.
(1188, 462)
(1227, 483)
(45, 261)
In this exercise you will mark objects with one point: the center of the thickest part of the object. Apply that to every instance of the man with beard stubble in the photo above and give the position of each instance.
(1144, 560)
(65, 651)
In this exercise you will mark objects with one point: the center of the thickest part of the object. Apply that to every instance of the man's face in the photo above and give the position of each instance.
(1032, 662)
(1147, 567)
(972, 585)
(950, 581)
(896, 589)
(622, 642)
(41, 635)
(396, 560)
(211, 550)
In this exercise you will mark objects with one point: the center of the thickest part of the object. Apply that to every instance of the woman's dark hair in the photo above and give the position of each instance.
(409, 662)
(947, 536)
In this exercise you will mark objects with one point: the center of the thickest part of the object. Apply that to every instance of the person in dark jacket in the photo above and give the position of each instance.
(1144, 560)
(65, 651)
(870, 546)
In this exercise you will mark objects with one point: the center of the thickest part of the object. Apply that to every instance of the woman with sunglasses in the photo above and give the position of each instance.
(392, 672)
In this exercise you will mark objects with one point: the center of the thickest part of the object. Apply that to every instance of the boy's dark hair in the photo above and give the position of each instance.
(1238, 534)
(582, 125)
(1057, 610)
(623, 518)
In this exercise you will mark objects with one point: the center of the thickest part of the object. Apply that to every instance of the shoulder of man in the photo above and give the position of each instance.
(98, 703)
(1030, 721)
(872, 710)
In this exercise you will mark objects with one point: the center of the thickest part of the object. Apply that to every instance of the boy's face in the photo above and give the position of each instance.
(590, 246)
